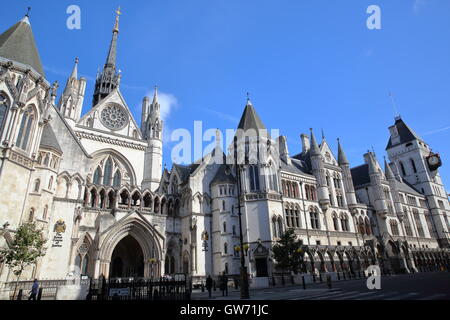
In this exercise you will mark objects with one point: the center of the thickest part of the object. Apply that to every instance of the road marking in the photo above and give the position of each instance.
(377, 296)
(313, 296)
(434, 296)
(358, 294)
(403, 296)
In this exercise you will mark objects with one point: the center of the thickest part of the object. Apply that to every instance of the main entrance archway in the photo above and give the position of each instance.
(127, 259)
(131, 247)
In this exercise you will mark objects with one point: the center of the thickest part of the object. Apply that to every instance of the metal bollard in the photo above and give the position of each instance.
(320, 277)
(338, 276)
(314, 277)
(39, 296)
(343, 275)
(19, 296)
(329, 282)
(304, 283)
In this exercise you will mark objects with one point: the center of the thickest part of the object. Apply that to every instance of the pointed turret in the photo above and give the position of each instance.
(318, 171)
(71, 102)
(109, 79)
(372, 164)
(315, 150)
(250, 119)
(74, 74)
(376, 187)
(342, 158)
(18, 44)
(388, 171)
(153, 133)
(344, 164)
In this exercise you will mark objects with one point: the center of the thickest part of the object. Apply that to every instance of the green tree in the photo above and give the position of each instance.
(287, 251)
(26, 248)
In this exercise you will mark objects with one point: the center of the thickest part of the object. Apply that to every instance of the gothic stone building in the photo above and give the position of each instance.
(95, 185)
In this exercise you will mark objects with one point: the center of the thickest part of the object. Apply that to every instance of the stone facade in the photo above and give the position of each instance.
(100, 175)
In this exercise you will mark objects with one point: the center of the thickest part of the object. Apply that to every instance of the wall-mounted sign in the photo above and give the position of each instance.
(59, 229)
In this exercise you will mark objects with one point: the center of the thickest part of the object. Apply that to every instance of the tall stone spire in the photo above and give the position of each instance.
(342, 158)
(153, 133)
(71, 102)
(111, 59)
(108, 80)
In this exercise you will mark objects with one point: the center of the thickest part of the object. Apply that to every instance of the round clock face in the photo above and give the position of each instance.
(433, 160)
(114, 117)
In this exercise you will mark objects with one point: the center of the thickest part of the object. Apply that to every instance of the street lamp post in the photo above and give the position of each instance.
(244, 276)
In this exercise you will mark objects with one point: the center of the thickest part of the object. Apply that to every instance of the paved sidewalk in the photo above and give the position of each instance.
(261, 293)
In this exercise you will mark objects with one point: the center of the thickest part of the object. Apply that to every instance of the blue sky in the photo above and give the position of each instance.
(306, 63)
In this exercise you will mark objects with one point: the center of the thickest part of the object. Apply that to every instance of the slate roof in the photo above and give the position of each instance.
(186, 171)
(18, 44)
(222, 176)
(250, 119)
(360, 175)
(296, 166)
(408, 188)
(405, 132)
(48, 139)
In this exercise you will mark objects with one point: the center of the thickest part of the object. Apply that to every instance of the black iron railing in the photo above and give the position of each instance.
(139, 289)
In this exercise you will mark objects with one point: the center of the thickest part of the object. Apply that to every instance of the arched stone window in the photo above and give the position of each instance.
(224, 227)
(254, 178)
(4, 107)
(117, 179)
(288, 217)
(45, 213)
(361, 226)
(50, 183)
(273, 178)
(97, 176)
(274, 227)
(297, 217)
(37, 185)
(280, 226)
(344, 222)
(394, 227)
(413, 165)
(107, 173)
(402, 167)
(368, 227)
(25, 129)
(335, 222)
(314, 216)
(225, 248)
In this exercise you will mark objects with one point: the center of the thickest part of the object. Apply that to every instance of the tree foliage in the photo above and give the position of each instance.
(287, 251)
(26, 248)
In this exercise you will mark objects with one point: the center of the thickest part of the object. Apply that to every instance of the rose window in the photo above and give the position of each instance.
(114, 117)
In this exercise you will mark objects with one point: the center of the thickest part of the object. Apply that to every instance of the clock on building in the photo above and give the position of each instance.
(114, 117)
(434, 161)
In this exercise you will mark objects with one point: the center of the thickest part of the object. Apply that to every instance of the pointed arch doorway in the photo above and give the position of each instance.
(127, 259)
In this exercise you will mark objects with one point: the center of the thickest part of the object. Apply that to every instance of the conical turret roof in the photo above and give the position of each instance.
(18, 44)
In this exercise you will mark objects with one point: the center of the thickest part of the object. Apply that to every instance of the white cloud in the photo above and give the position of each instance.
(167, 101)
(419, 4)
(221, 115)
(436, 131)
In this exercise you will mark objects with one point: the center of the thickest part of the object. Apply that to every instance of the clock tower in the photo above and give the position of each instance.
(418, 166)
